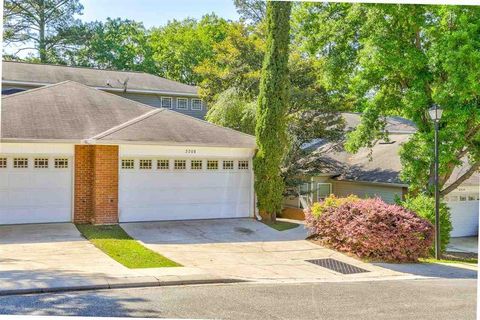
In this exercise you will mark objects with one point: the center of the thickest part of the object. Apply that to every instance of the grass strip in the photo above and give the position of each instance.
(116, 243)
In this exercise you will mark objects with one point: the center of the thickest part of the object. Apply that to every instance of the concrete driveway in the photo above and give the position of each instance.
(57, 256)
(463, 244)
(246, 249)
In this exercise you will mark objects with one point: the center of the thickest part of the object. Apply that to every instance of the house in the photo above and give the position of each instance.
(375, 173)
(138, 86)
(74, 153)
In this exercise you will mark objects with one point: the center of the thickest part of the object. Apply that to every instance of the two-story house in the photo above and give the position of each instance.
(97, 146)
(138, 86)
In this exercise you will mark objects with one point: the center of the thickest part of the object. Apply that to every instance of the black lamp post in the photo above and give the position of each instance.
(436, 114)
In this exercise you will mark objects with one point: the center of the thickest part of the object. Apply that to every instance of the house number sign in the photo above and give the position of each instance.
(190, 151)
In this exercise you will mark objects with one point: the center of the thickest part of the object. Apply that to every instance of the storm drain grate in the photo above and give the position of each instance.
(337, 266)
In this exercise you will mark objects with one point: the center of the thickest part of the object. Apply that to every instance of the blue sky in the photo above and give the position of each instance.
(156, 12)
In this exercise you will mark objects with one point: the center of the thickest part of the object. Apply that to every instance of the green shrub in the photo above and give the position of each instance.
(330, 202)
(424, 206)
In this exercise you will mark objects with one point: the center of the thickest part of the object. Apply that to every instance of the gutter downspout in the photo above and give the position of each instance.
(255, 208)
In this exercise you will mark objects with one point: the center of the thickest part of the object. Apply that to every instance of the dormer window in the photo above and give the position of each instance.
(182, 103)
(167, 102)
(197, 104)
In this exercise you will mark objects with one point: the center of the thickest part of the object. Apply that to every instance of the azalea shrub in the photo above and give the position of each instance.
(424, 206)
(371, 229)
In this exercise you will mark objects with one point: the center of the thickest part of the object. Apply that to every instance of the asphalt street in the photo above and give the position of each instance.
(415, 299)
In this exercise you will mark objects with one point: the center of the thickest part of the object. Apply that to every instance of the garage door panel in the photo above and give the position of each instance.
(182, 212)
(180, 195)
(32, 215)
(3, 180)
(464, 217)
(173, 180)
(151, 195)
(35, 195)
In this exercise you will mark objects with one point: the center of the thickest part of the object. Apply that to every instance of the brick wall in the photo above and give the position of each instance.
(105, 184)
(96, 184)
(83, 193)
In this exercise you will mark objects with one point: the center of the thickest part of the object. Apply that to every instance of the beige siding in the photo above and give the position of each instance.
(365, 190)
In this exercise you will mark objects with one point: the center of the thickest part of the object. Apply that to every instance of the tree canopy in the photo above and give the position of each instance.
(401, 60)
(42, 26)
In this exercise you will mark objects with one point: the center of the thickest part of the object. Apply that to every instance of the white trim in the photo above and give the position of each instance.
(166, 98)
(201, 105)
(144, 91)
(183, 99)
(322, 183)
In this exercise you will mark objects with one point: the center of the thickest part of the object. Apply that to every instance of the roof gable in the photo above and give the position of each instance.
(166, 126)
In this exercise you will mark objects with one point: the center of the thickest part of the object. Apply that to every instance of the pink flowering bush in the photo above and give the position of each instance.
(372, 229)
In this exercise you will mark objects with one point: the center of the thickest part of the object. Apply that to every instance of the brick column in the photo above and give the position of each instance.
(105, 184)
(83, 193)
(96, 184)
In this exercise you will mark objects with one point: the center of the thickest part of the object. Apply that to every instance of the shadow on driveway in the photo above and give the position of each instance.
(431, 270)
(86, 304)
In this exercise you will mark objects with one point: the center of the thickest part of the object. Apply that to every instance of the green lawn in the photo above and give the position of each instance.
(282, 225)
(115, 242)
(433, 260)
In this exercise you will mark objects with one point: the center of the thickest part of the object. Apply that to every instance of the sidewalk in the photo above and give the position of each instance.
(41, 281)
(55, 257)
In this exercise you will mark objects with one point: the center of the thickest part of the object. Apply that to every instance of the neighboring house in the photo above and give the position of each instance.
(70, 152)
(375, 173)
(142, 87)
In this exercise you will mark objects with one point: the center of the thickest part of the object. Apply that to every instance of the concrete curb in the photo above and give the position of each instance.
(118, 285)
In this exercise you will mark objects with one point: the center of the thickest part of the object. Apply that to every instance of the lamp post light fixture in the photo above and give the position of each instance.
(436, 114)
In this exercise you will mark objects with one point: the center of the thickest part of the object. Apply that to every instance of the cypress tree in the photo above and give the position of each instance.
(272, 106)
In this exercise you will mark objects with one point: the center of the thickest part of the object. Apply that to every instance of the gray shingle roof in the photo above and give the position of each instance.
(381, 166)
(72, 111)
(49, 74)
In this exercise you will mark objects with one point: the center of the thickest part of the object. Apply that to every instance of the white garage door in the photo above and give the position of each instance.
(169, 189)
(35, 189)
(464, 212)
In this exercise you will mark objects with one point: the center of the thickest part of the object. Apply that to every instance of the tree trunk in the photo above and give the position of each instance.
(268, 217)
(42, 46)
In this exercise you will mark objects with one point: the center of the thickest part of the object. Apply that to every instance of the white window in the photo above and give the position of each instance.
(61, 163)
(167, 102)
(227, 165)
(40, 163)
(243, 165)
(182, 103)
(180, 164)
(19, 163)
(128, 164)
(196, 164)
(212, 164)
(163, 164)
(3, 162)
(145, 164)
(323, 191)
(197, 104)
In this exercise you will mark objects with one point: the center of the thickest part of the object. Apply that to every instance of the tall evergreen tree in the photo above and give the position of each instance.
(40, 25)
(272, 107)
